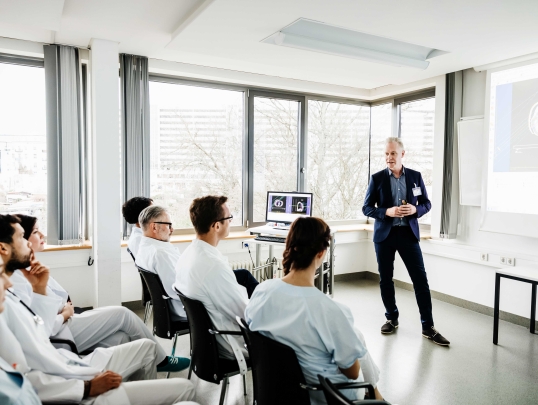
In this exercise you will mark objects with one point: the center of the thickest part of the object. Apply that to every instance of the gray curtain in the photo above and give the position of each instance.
(450, 196)
(134, 78)
(65, 145)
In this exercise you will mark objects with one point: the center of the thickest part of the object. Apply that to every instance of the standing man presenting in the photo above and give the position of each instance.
(396, 198)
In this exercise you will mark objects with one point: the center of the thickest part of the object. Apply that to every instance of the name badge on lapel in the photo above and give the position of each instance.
(416, 190)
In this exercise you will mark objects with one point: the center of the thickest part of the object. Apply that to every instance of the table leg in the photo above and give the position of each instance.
(533, 308)
(496, 309)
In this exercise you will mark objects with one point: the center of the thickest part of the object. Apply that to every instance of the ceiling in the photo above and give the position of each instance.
(227, 34)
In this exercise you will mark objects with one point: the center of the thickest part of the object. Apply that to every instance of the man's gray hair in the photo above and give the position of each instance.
(395, 140)
(150, 214)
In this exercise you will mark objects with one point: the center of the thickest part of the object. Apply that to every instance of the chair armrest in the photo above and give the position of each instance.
(371, 402)
(352, 385)
(225, 332)
(311, 387)
(67, 342)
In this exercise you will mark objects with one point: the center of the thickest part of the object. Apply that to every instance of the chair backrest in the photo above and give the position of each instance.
(162, 320)
(146, 297)
(335, 397)
(204, 349)
(276, 373)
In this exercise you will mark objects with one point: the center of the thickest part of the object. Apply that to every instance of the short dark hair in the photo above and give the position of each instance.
(7, 230)
(205, 211)
(132, 208)
(27, 222)
(306, 238)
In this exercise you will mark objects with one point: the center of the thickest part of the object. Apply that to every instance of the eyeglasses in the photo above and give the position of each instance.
(224, 219)
(164, 223)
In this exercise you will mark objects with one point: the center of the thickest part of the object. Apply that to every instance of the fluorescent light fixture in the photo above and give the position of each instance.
(319, 37)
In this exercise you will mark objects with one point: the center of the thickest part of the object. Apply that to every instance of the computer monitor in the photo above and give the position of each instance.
(285, 207)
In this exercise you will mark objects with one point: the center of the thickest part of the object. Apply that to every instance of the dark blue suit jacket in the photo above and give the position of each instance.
(379, 198)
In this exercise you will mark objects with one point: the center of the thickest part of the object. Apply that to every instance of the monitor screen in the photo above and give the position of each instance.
(287, 207)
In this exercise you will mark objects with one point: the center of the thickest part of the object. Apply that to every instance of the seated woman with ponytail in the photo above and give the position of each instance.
(294, 312)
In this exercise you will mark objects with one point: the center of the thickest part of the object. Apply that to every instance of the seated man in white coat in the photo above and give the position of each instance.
(157, 255)
(131, 211)
(204, 274)
(62, 376)
(100, 327)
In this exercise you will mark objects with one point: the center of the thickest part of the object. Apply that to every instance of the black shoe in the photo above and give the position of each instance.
(435, 336)
(389, 327)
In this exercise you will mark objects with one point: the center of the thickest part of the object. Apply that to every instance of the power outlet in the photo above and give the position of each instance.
(484, 257)
(244, 245)
(508, 261)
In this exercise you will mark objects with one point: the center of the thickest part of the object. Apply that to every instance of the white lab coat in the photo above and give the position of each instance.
(204, 274)
(70, 389)
(160, 258)
(15, 389)
(134, 240)
(101, 327)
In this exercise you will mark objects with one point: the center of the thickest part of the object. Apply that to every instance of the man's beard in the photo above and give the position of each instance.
(18, 262)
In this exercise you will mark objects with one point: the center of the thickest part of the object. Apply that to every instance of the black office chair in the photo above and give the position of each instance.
(205, 360)
(146, 297)
(276, 374)
(163, 325)
(335, 397)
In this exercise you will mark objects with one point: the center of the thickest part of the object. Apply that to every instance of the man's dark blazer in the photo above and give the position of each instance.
(379, 198)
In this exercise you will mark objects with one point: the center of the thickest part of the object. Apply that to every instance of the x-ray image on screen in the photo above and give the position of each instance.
(299, 205)
(278, 203)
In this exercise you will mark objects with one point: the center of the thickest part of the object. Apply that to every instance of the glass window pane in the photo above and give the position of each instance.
(338, 152)
(196, 143)
(23, 145)
(416, 129)
(275, 149)
(381, 130)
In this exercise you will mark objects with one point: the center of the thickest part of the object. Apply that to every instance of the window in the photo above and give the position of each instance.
(196, 141)
(381, 129)
(416, 130)
(275, 149)
(338, 157)
(23, 146)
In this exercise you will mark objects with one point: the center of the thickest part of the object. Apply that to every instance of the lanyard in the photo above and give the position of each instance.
(37, 319)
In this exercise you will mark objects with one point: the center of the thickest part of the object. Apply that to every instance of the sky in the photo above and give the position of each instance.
(22, 100)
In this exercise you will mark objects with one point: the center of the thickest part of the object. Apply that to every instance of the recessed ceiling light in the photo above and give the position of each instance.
(319, 37)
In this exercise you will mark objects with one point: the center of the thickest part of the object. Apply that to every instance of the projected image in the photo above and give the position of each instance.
(278, 204)
(299, 205)
(516, 127)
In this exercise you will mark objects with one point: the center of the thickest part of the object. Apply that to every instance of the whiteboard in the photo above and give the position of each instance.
(470, 152)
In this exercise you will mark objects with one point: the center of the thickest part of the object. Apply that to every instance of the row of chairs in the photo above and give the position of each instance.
(276, 373)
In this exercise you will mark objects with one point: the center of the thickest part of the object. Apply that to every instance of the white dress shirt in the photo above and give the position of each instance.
(160, 258)
(204, 274)
(134, 240)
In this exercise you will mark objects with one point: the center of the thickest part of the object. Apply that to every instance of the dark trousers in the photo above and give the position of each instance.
(402, 240)
(246, 279)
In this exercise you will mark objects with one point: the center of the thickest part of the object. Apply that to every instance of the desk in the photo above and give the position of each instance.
(525, 274)
(326, 268)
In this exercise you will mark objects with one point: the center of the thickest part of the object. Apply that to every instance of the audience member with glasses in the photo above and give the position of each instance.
(203, 273)
(157, 255)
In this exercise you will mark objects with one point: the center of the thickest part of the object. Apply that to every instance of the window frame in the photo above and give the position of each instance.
(250, 92)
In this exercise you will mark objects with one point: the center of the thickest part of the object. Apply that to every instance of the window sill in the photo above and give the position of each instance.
(187, 238)
(56, 248)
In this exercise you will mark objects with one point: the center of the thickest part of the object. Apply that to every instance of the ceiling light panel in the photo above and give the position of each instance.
(319, 37)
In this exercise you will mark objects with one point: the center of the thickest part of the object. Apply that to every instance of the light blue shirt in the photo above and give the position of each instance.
(399, 193)
(319, 329)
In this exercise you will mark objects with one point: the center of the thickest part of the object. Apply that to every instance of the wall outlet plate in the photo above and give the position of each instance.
(484, 257)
